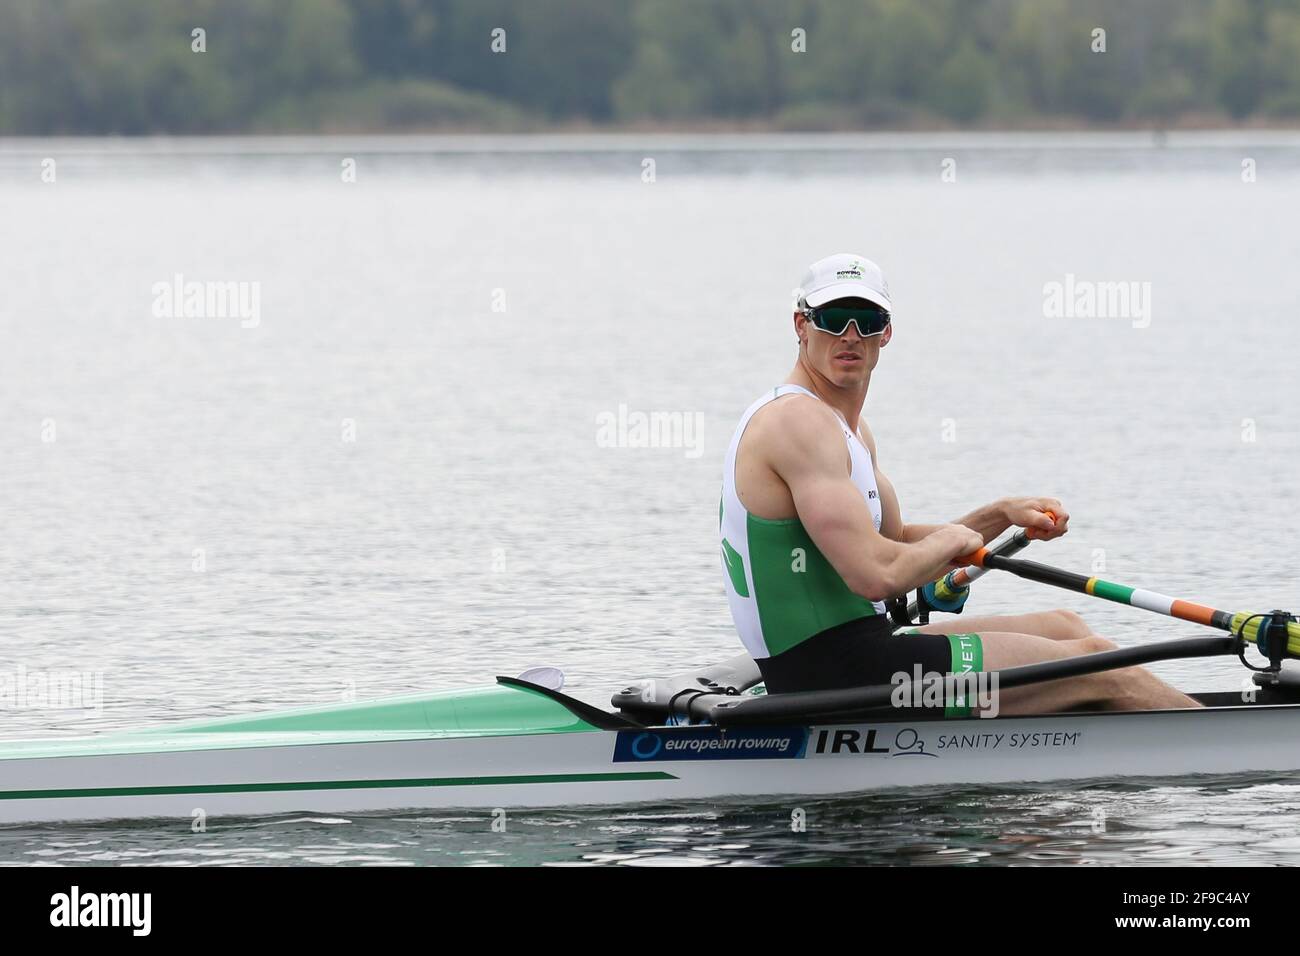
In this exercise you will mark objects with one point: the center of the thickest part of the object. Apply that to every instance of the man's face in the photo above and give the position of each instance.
(845, 359)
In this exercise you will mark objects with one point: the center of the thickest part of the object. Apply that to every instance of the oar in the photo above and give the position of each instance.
(947, 586)
(843, 703)
(1247, 625)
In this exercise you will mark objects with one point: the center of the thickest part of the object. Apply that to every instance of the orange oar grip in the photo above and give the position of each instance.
(1036, 534)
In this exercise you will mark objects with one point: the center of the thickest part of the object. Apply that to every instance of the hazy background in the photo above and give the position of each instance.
(130, 66)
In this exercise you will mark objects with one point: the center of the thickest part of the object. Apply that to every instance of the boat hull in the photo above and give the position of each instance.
(585, 765)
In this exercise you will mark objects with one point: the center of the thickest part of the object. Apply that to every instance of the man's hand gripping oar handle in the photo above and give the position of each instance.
(950, 586)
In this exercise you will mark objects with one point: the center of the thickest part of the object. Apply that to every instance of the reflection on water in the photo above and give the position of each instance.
(1240, 821)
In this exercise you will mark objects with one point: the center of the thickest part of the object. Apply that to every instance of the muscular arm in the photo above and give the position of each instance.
(807, 453)
(987, 521)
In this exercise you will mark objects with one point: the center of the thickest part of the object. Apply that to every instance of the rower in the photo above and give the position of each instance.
(813, 540)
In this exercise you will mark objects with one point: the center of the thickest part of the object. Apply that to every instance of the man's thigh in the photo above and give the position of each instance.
(1056, 625)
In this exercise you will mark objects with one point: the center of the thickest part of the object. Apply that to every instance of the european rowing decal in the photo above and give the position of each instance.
(710, 743)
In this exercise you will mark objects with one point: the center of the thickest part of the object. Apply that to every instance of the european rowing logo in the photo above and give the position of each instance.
(710, 743)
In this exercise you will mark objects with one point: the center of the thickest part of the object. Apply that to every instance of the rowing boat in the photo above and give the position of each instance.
(516, 744)
(705, 734)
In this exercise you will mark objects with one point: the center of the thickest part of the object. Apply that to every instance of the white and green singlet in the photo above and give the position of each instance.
(781, 588)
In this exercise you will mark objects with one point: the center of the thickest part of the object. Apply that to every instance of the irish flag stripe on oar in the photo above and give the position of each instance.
(1187, 611)
(1134, 597)
(1163, 604)
(1159, 603)
(1111, 592)
(1245, 624)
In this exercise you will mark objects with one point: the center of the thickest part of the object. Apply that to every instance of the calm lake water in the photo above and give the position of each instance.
(391, 475)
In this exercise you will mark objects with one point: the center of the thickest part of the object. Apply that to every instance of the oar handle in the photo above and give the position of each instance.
(975, 560)
(951, 583)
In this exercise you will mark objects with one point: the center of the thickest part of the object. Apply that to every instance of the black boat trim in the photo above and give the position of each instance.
(592, 715)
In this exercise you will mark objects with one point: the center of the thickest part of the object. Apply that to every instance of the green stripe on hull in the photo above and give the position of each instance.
(291, 787)
(491, 709)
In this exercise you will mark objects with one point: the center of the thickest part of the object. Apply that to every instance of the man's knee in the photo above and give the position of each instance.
(1095, 644)
(1072, 626)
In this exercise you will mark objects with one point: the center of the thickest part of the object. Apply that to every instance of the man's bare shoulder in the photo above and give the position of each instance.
(793, 427)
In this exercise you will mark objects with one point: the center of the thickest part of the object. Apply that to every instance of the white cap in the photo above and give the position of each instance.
(845, 276)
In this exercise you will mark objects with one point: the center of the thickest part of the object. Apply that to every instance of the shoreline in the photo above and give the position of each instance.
(621, 139)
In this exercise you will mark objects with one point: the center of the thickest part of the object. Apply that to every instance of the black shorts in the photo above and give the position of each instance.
(867, 652)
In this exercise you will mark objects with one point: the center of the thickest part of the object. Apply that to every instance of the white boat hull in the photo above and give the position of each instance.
(594, 767)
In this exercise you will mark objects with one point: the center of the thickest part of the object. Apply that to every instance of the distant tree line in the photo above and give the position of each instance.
(216, 66)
